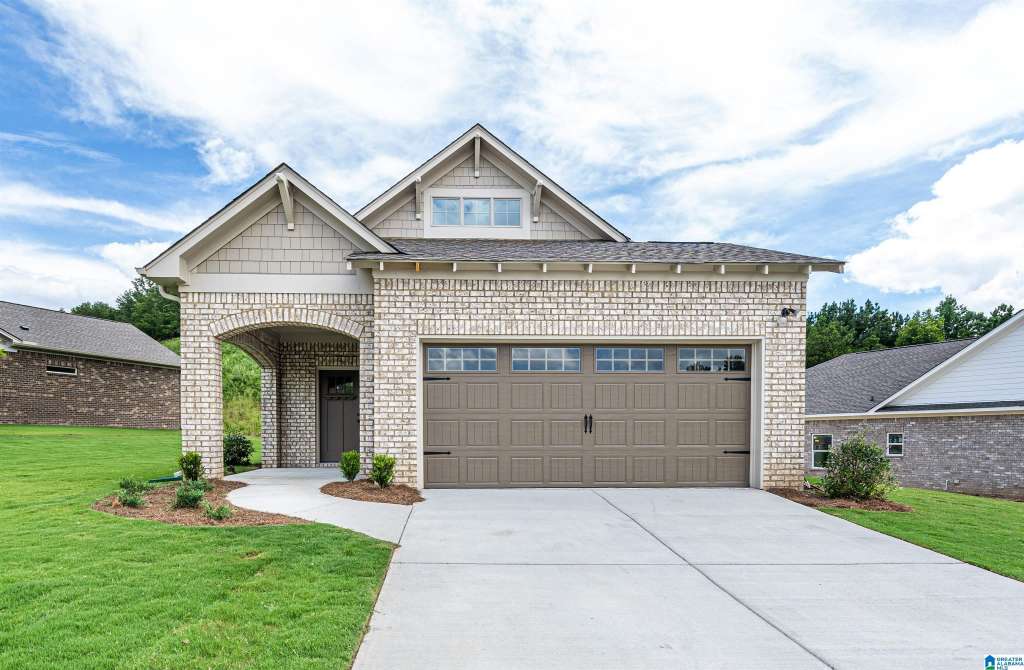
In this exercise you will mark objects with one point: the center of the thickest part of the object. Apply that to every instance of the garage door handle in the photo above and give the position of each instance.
(437, 453)
(588, 423)
(736, 379)
(731, 451)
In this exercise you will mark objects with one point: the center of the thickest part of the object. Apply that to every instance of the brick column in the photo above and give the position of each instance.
(268, 417)
(202, 423)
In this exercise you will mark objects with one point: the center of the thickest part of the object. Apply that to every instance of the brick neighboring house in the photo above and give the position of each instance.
(950, 415)
(65, 369)
(488, 329)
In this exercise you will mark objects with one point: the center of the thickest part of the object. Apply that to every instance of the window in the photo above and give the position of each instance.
(446, 212)
(551, 359)
(462, 359)
(452, 211)
(629, 360)
(692, 359)
(506, 211)
(61, 370)
(821, 445)
(476, 212)
(894, 445)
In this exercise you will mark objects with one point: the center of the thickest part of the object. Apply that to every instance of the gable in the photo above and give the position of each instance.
(993, 371)
(268, 247)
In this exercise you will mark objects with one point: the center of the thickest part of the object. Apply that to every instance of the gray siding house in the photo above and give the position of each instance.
(488, 329)
(950, 415)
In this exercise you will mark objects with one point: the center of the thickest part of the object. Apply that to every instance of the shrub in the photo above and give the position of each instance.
(191, 466)
(858, 469)
(216, 513)
(134, 485)
(189, 494)
(383, 470)
(350, 465)
(129, 498)
(237, 450)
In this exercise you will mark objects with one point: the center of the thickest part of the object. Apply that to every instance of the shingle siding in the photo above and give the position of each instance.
(102, 393)
(551, 226)
(462, 176)
(970, 454)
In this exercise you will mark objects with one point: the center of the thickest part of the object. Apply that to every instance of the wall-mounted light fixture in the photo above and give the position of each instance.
(786, 314)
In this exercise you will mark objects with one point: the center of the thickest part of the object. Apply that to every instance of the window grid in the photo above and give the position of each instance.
(507, 211)
(546, 359)
(462, 359)
(894, 444)
(708, 359)
(469, 211)
(821, 446)
(446, 212)
(624, 359)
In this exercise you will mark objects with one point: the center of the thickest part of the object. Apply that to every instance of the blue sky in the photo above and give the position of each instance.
(889, 134)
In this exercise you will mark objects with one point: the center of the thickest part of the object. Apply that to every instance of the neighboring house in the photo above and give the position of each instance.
(65, 369)
(486, 328)
(950, 415)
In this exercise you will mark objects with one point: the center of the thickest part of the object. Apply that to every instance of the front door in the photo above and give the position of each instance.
(339, 413)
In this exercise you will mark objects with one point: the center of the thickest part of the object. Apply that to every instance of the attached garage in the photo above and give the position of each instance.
(564, 415)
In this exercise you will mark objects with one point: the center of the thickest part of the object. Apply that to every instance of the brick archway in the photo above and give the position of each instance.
(284, 316)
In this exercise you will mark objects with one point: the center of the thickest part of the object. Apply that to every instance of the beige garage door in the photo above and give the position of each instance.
(586, 415)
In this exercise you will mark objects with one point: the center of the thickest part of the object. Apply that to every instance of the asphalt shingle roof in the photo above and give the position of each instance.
(857, 382)
(58, 331)
(584, 251)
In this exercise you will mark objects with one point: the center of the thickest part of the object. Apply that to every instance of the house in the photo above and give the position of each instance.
(65, 369)
(950, 414)
(486, 328)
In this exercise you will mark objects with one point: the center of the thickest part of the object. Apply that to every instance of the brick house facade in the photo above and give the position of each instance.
(536, 268)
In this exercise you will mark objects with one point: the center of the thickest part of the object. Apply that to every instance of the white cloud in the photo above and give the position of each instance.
(55, 277)
(225, 163)
(966, 241)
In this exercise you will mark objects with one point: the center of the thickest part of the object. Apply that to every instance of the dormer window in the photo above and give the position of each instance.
(471, 211)
(476, 212)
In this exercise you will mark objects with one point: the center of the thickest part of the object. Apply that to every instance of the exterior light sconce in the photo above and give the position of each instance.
(787, 313)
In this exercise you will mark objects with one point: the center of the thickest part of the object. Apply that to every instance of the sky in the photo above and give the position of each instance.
(887, 134)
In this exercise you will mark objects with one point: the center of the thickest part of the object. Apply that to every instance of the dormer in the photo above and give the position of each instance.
(479, 188)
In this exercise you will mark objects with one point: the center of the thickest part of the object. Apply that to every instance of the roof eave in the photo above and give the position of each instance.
(28, 346)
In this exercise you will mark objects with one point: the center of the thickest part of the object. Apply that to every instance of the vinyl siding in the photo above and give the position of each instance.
(993, 372)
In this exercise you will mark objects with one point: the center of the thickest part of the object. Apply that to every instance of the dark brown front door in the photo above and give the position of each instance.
(339, 413)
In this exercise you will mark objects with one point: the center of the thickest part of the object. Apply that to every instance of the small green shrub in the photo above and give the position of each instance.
(191, 464)
(129, 498)
(858, 469)
(237, 450)
(216, 513)
(189, 494)
(134, 485)
(383, 470)
(350, 465)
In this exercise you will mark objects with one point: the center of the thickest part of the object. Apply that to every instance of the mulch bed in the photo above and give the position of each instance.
(159, 507)
(812, 498)
(367, 491)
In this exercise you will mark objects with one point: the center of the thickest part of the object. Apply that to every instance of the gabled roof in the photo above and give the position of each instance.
(48, 330)
(585, 251)
(858, 382)
(401, 188)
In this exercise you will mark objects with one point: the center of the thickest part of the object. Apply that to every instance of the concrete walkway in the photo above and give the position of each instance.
(673, 578)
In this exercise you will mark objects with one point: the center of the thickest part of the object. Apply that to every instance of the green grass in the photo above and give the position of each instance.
(82, 589)
(986, 532)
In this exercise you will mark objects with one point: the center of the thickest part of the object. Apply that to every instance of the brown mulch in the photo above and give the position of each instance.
(367, 491)
(159, 507)
(812, 498)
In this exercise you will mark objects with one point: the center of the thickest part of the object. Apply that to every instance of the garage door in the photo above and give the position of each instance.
(586, 415)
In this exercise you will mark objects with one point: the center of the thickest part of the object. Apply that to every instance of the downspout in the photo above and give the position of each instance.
(169, 296)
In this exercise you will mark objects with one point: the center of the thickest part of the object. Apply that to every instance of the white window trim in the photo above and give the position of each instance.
(491, 231)
(831, 443)
(62, 374)
(902, 445)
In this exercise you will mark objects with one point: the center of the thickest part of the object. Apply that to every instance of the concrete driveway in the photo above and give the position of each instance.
(683, 578)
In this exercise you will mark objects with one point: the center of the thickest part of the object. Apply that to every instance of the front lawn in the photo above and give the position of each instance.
(985, 532)
(83, 589)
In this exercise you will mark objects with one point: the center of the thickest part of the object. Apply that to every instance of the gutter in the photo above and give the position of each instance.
(980, 411)
(27, 346)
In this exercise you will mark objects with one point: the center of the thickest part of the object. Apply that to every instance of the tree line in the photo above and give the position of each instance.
(142, 306)
(843, 327)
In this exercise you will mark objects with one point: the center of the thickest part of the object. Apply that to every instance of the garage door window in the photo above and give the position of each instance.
(622, 359)
(546, 359)
(712, 360)
(462, 359)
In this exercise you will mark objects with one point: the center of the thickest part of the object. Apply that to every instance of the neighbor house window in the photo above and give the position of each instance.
(61, 370)
(504, 212)
(821, 445)
(550, 359)
(718, 359)
(894, 445)
(462, 359)
(446, 212)
(624, 359)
